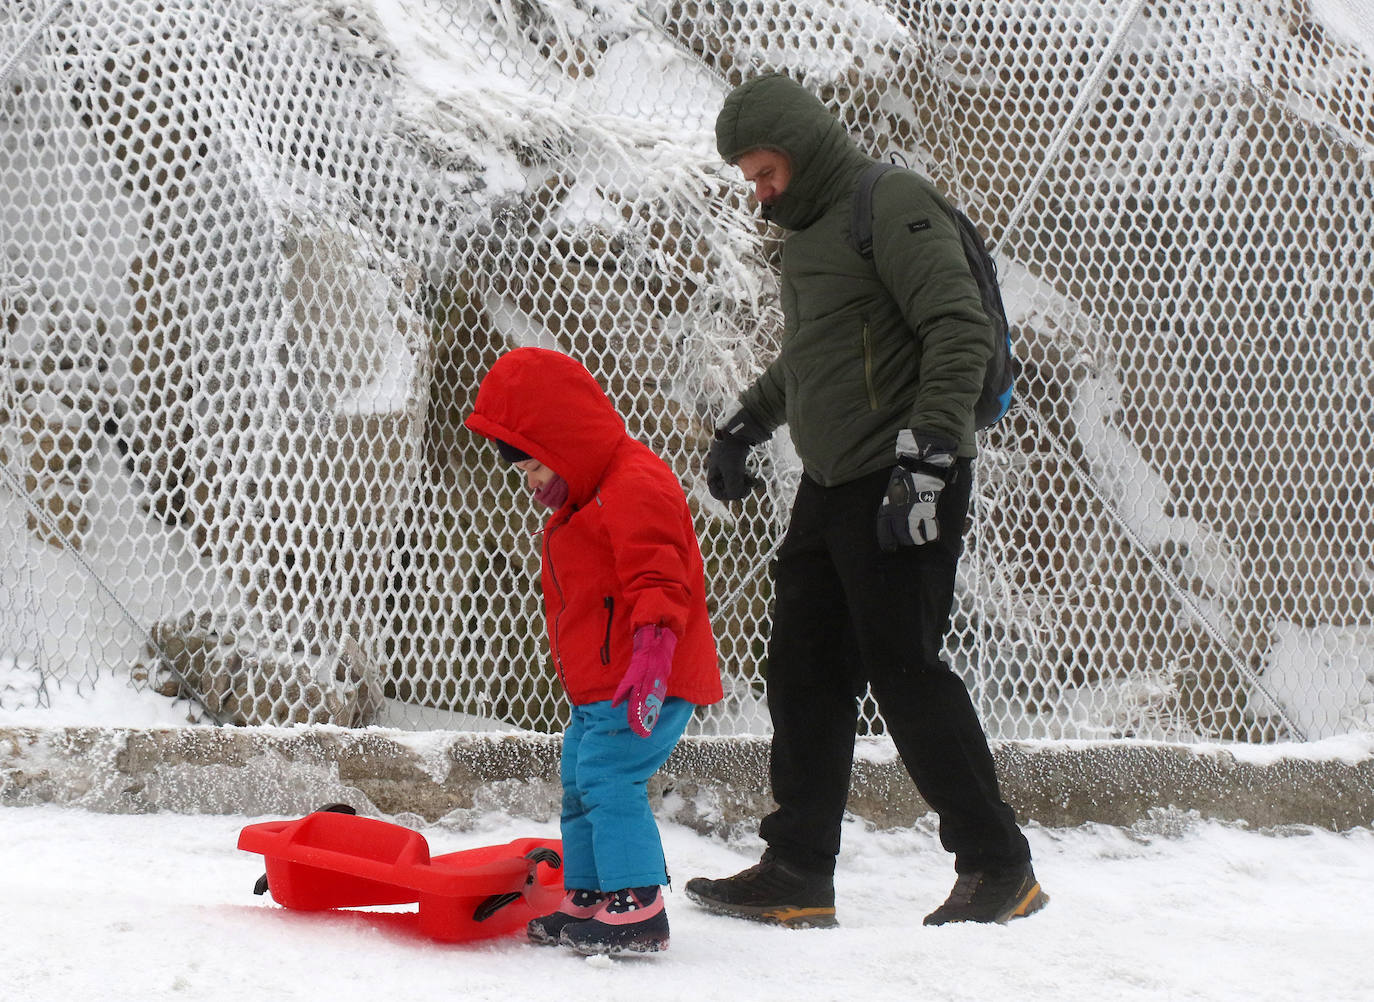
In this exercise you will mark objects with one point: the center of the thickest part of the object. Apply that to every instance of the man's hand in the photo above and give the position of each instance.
(727, 477)
(907, 516)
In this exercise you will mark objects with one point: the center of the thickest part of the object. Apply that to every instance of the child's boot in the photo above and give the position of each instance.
(577, 906)
(631, 921)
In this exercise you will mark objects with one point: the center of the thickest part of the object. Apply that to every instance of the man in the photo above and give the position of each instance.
(880, 365)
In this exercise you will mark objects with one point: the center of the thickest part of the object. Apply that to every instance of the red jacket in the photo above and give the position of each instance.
(622, 552)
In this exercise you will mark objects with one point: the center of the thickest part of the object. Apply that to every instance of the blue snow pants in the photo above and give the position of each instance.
(610, 837)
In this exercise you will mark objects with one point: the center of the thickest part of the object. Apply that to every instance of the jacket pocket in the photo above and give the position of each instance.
(868, 368)
(609, 603)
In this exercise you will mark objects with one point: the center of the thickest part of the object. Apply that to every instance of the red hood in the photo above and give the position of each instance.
(548, 405)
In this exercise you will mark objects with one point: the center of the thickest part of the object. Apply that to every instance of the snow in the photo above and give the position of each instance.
(1348, 21)
(154, 907)
(1325, 661)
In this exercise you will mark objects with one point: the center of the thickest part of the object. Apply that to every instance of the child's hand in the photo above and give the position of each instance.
(646, 680)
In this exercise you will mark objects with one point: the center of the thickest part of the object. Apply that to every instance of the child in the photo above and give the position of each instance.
(625, 606)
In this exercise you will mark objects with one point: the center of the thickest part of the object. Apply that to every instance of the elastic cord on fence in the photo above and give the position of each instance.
(48, 18)
(184, 687)
(1086, 94)
(1184, 596)
(6, 70)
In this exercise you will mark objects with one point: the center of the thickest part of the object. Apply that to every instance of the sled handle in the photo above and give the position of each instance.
(493, 904)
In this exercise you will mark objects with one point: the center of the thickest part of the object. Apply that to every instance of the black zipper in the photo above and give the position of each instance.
(609, 603)
(868, 369)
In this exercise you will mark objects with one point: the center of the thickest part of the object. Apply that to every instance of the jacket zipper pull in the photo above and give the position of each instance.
(609, 604)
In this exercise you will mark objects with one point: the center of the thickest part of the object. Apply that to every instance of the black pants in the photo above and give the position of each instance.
(846, 614)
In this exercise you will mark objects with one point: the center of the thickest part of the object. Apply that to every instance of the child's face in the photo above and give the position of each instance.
(537, 475)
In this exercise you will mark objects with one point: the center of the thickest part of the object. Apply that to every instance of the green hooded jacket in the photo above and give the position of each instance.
(868, 347)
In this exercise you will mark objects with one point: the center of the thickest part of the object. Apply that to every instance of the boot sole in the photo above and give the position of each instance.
(1030, 903)
(788, 916)
(540, 937)
(619, 949)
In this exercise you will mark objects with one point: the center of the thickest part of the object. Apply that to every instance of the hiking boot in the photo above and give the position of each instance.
(770, 891)
(994, 895)
(630, 921)
(577, 906)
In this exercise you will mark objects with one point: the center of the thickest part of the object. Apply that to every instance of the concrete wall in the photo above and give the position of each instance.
(714, 785)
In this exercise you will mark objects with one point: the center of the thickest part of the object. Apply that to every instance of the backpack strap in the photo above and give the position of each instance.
(1000, 376)
(861, 221)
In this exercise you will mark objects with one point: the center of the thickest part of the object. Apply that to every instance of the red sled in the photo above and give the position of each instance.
(334, 859)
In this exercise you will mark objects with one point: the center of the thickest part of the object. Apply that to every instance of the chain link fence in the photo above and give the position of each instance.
(256, 255)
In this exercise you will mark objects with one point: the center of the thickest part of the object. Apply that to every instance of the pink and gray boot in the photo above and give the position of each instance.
(577, 906)
(631, 920)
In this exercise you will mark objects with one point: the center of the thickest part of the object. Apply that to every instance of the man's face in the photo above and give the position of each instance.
(768, 171)
(537, 475)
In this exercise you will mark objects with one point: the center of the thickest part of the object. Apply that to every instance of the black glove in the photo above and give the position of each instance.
(907, 514)
(726, 476)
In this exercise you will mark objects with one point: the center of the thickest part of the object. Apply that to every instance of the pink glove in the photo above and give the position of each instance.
(646, 680)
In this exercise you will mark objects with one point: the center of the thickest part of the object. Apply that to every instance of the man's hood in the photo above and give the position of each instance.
(548, 405)
(774, 112)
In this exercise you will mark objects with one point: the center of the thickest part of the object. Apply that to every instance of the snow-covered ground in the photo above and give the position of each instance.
(108, 908)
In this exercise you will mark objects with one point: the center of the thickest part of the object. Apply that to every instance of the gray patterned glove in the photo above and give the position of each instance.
(907, 514)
